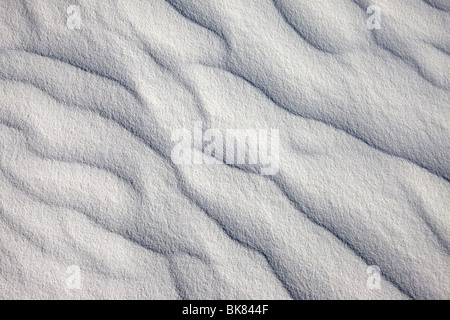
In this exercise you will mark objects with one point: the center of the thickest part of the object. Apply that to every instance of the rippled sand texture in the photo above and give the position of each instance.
(86, 176)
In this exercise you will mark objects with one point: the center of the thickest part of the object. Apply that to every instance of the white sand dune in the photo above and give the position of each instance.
(87, 178)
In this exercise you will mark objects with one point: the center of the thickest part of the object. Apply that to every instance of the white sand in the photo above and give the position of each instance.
(87, 179)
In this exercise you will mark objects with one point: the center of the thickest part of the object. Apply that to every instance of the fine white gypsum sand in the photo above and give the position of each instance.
(92, 205)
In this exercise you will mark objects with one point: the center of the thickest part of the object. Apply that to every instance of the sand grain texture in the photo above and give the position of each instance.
(87, 179)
